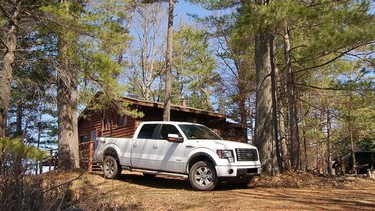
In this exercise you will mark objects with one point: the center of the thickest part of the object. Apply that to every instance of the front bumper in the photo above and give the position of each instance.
(238, 171)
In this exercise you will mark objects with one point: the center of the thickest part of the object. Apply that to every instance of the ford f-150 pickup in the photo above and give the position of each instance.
(180, 149)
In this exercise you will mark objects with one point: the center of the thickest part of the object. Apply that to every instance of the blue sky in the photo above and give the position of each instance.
(182, 8)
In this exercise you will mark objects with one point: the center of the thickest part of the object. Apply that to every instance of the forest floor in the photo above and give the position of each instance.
(292, 191)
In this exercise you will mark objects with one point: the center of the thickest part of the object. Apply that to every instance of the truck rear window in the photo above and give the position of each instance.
(147, 131)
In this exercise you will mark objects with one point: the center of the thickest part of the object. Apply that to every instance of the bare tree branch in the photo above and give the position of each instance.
(6, 13)
(335, 58)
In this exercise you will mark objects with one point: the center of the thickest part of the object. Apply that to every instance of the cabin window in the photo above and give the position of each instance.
(232, 132)
(93, 138)
(122, 121)
(107, 124)
(82, 138)
(93, 135)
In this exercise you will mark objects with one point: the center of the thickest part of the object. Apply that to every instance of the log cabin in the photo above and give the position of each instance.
(109, 122)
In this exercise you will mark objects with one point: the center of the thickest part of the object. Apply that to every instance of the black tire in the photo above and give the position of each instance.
(111, 168)
(202, 176)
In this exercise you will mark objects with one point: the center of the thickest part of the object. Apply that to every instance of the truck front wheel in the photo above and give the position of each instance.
(203, 176)
(112, 169)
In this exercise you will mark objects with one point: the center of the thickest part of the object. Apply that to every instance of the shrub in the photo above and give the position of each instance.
(17, 190)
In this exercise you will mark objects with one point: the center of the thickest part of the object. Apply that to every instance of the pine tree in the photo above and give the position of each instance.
(194, 67)
(12, 13)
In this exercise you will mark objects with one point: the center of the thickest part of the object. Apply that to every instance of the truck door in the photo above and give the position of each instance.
(143, 155)
(170, 156)
(151, 149)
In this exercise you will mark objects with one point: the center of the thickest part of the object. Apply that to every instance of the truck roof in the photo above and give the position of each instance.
(169, 122)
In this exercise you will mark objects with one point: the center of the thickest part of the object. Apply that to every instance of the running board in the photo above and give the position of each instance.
(157, 172)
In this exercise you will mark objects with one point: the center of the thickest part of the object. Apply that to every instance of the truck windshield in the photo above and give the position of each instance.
(198, 132)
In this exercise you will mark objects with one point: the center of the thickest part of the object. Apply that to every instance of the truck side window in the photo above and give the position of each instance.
(168, 129)
(147, 131)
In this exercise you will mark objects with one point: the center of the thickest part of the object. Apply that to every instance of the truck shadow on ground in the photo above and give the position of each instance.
(156, 182)
(168, 182)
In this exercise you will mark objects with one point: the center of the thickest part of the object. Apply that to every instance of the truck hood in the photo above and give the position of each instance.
(222, 144)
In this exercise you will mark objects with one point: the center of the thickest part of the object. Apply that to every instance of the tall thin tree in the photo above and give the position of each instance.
(67, 96)
(168, 66)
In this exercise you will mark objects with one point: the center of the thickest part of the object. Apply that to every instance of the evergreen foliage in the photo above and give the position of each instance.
(194, 66)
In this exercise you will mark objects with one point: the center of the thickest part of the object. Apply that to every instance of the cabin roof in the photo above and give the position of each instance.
(159, 105)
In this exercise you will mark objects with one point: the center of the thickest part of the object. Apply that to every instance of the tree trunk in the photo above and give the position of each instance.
(305, 156)
(283, 139)
(282, 129)
(243, 117)
(264, 117)
(354, 167)
(242, 103)
(293, 121)
(6, 73)
(279, 167)
(19, 119)
(329, 150)
(67, 82)
(168, 66)
(251, 120)
(67, 109)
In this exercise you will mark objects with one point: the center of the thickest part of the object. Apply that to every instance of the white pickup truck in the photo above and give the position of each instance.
(179, 149)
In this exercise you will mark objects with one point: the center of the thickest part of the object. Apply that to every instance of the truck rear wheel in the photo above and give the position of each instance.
(203, 176)
(111, 168)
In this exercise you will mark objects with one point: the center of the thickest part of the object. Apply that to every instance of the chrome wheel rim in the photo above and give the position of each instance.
(109, 167)
(203, 176)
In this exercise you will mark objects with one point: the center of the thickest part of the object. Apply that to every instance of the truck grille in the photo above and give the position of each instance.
(247, 154)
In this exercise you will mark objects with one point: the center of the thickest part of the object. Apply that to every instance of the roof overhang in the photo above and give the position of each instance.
(150, 104)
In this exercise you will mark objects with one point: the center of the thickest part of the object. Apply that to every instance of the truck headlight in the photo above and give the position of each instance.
(225, 154)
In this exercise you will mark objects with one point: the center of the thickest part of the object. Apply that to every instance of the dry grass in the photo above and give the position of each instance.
(285, 192)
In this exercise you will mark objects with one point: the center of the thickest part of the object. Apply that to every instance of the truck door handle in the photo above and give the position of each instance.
(135, 144)
(156, 146)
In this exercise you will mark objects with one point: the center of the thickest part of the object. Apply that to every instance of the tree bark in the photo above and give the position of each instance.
(352, 148)
(168, 66)
(67, 110)
(293, 121)
(19, 119)
(242, 102)
(329, 148)
(6, 73)
(305, 161)
(264, 117)
(279, 168)
(281, 123)
(283, 139)
(67, 95)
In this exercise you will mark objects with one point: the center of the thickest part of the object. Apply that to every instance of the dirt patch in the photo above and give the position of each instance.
(307, 180)
(285, 192)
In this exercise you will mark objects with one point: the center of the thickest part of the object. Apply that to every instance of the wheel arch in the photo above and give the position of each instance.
(200, 156)
(110, 151)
